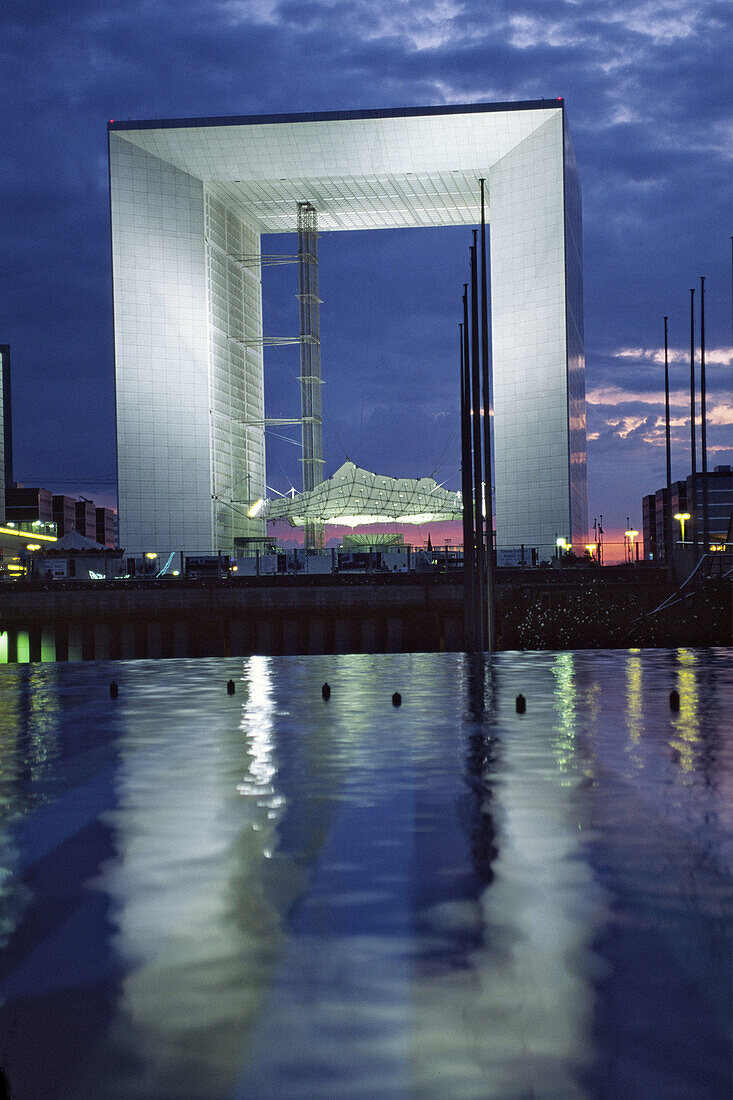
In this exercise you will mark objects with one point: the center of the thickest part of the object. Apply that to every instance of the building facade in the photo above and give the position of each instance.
(25, 504)
(190, 202)
(105, 527)
(86, 518)
(64, 513)
(687, 499)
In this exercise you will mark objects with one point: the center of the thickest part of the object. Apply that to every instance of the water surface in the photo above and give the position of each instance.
(269, 895)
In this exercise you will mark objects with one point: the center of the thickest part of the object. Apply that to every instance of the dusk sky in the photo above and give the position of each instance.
(648, 89)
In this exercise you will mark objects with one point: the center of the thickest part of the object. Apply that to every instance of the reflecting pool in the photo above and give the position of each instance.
(270, 895)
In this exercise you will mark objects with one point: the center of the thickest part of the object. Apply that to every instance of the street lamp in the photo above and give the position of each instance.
(631, 535)
(682, 516)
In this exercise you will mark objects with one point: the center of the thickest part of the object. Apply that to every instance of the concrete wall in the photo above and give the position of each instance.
(536, 609)
(179, 621)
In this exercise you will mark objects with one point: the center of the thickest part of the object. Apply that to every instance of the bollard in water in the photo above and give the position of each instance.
(396, 699)
(521, 704)
(326, 691)
(674, 700)
(230, 687)
(113, 690)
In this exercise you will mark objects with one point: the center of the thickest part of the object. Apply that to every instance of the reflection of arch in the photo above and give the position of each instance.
(197, 929)
(202, 882)
(542, 910)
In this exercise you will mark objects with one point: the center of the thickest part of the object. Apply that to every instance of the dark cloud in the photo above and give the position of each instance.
(648, 91)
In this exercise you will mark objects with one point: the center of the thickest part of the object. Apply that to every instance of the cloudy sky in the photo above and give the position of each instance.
(648, 90)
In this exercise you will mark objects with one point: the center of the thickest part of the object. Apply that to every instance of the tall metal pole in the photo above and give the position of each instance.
(692, 505)
(703, 426)
(467, 498)
(668, 502)
(477, 463)
(486, 383)
(310, 359)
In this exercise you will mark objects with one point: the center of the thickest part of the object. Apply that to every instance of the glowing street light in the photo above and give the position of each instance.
(631, 535)
(682, 516)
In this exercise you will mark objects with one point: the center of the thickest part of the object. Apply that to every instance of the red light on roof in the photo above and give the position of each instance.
(111, 120)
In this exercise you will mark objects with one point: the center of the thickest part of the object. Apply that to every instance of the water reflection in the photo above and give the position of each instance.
(196, 932)
(564, 730)
(29, 722)
(13, 895)
(352, 899)
(685, 741)
(481, 764)
(634, 697)
(544, 908)
(259, 777)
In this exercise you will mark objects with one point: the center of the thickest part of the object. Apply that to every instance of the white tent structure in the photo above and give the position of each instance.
(354, 497)
(74, 540)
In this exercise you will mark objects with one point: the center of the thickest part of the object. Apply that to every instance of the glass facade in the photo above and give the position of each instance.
(236, 372)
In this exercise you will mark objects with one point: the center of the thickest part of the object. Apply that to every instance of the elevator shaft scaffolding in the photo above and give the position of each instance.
(310, 359)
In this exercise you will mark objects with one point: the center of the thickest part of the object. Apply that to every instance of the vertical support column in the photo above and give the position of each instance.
(6, 435)
(467, 487)
(488, 466)
(23, 648)
(667, 524)
(101, 641)
(482, 624)
(76, 643)
(692, 503)
(48, 644)
(310, 359)
(703, 427)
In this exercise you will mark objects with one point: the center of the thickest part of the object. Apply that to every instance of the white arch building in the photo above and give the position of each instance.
(190, 200)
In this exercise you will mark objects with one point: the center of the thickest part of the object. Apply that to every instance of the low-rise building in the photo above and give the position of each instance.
(64, 513)
(106, 527)
(687, 500)
(75, 557)
(24, 504)
(86, 518)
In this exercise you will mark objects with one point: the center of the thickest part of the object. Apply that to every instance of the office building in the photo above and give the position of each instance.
(26, 504)
(85, 518)
(64, 514)
(190, 202)
(105, 527)
(687, 500)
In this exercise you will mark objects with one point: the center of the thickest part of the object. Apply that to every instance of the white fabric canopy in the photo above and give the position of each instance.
(353, 497)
